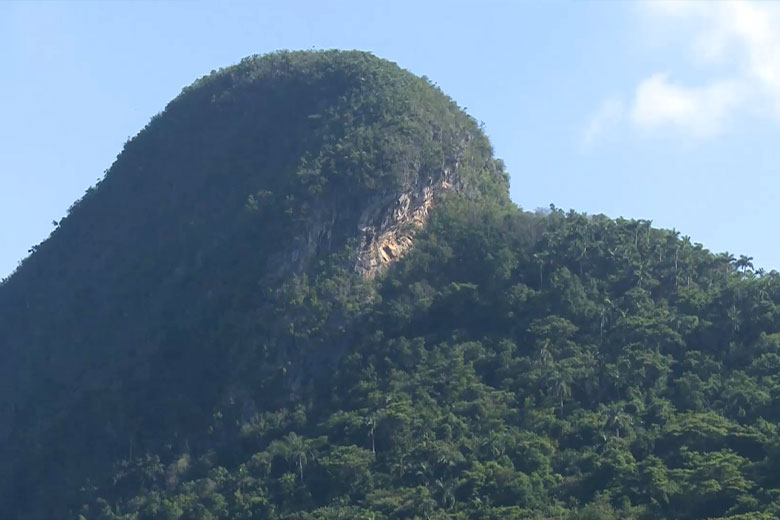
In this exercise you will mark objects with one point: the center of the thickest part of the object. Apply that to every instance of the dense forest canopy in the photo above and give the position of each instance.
(193, 343)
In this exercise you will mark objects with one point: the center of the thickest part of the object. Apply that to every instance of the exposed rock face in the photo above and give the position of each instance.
(387, 231)
(386, 224)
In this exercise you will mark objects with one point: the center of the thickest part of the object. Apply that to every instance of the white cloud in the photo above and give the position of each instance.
(607, 117)
(742, 38)
(699, 111)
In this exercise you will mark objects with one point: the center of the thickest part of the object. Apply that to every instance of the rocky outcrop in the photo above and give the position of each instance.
(387, 230)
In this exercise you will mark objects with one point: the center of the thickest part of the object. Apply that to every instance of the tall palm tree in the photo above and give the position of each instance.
(370, 422)
(561, 388)
(617, 419)
(297, 449)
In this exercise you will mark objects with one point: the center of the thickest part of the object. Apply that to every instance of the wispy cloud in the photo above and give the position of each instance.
(603, 121)
(741, 38)
(699, 111)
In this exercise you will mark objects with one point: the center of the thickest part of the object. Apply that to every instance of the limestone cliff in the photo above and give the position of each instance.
(387, 231)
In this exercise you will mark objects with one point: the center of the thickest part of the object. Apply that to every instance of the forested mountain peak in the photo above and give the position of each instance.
(301, 292)
(255, 177)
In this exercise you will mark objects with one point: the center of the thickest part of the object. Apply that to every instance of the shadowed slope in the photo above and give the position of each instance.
(134, 319)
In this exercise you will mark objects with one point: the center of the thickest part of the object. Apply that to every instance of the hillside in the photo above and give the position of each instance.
(169, 280)
(302, 292)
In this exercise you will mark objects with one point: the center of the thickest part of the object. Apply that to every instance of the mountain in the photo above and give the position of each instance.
(302, 292)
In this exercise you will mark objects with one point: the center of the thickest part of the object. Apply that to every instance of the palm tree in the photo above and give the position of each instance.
(561, 388)
(734, 317)
(545, 355)
(445, 491)
(297, 448)
(744, 263)
(370, 422)
(617, 419)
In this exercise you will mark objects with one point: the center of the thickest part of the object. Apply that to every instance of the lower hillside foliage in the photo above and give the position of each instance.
(512, 366)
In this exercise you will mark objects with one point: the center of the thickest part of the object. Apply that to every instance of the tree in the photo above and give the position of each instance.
(295, 449)
(617, 419)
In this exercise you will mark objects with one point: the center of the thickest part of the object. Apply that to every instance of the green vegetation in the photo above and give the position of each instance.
(514, 366)
(183, 354)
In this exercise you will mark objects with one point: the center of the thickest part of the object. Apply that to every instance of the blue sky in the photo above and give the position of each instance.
(662, 111)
